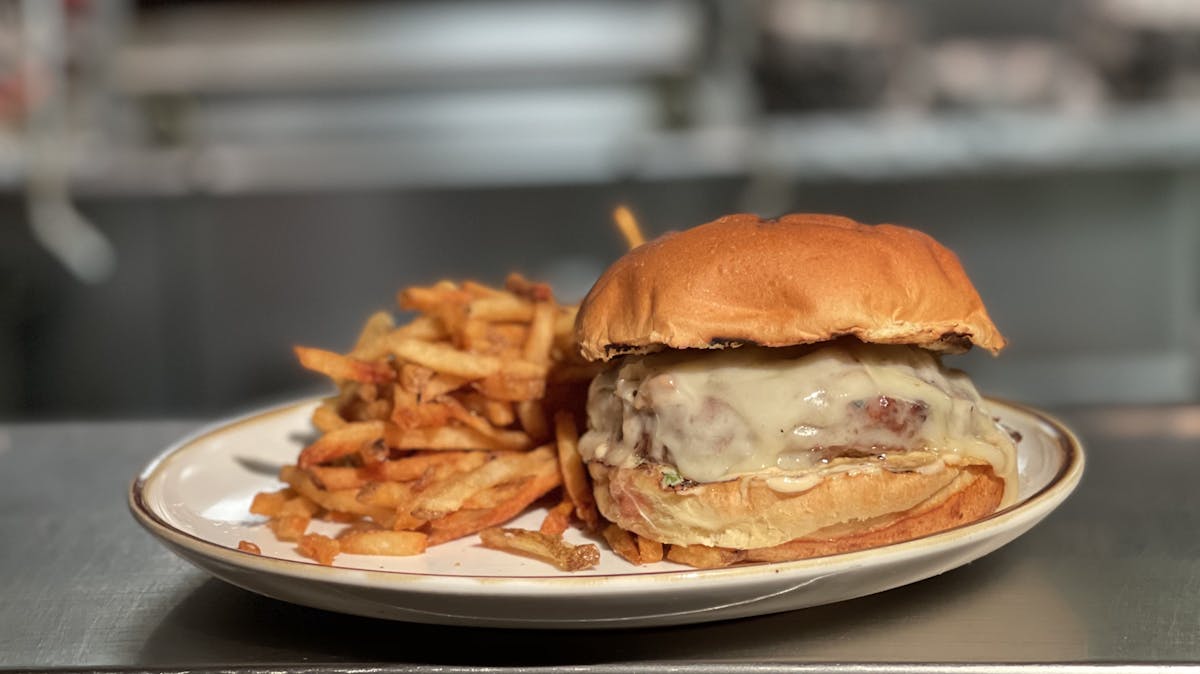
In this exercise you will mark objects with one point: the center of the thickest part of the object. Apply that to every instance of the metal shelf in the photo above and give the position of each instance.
(826, 147)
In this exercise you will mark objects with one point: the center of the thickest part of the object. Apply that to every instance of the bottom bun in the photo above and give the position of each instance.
(844, 512)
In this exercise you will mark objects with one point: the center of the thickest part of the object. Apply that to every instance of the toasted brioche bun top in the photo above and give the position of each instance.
(799, 279)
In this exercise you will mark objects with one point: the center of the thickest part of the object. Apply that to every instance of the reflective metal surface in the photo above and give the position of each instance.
(1110, 579)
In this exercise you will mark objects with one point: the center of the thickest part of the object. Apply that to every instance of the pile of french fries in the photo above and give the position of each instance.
(448, 426)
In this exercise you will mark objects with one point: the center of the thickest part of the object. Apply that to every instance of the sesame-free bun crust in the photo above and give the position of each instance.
(844, 512)
(799, 279)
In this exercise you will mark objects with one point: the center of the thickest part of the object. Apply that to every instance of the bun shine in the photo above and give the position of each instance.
(800, 279)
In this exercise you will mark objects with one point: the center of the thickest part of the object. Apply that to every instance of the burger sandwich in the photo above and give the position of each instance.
(775, 389)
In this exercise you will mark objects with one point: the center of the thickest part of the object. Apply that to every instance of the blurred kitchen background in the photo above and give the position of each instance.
(190, 188)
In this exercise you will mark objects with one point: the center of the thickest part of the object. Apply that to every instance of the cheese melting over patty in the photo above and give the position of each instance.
(792, 415)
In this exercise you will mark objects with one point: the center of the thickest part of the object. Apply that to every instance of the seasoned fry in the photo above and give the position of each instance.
(340, 500)
(249, 547)
(388, 494)
(628, 225)
(467, 417)
(704, 557)
(498, 413)
(575, 478)
(622, 542)
(496, 339)
(376, 328)
(414, 467)
(441, 384)
(502, 468)
(459, 437)
(446, 359)
(558, 518)
(326, 417)
(269, 503)
(345, 368)
(649, 551)
(501, 308)
(336, 477)
(428, 299)
(533, 419)
(466, 522)
(317, 547)
(531, 290)
(289, 527)
(535, 544)
(504, 386)
(398, 543)
(541, 334)
(420, 415)
(341, 442)
(299, 506)
(442, 427)
(477, 290)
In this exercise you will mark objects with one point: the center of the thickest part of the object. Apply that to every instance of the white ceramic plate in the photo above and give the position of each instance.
(195, 497)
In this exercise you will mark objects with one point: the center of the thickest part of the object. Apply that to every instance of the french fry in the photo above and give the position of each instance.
(628, 225)
(248, 546)
(622, 542)
(499, 412)
(633, 548)
(541, 334)
(377, 326)
(535, 544)
(299, 506)
(506, 340)
(575, 478)
(459, 437)
(326, 417)
(388, 494)
(289, 527)
(394, 543)
(421, 415)
(340, 500)
(507, 467)
(467, 417)
(564, 322)
(477, 290)
(425, 328)
(269, 503)
(341, 442)
(501, 308)
(428, 299)
(512, 388)
(319, 548)
(494, 496)
(446, 359)
(466, 522)
(649, 551)
(414, 378)
(336, 477)
(339, 367)
(439, 428)
(413, 467)
(532, 415)
(703, 556)
(536, 291)
(558, 518)
(441, 384)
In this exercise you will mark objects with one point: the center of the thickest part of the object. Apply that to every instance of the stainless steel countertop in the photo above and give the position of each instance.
(1111, 578)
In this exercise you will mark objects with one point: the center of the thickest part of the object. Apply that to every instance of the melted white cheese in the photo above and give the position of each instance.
(795, 413)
